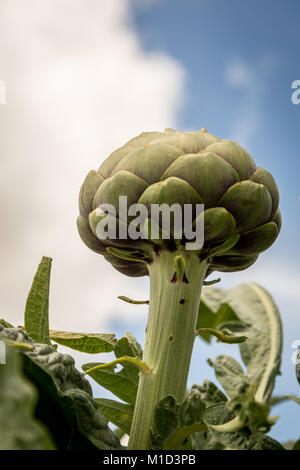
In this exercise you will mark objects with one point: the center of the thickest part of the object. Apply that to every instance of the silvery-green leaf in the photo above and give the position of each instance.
(256, 309)
(210, 393)
(261, 353)
(230, 374)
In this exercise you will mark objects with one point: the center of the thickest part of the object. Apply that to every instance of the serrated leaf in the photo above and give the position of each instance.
(19, 429)
(36, 311)
(92, 343)
(230, 374)
(117, 413)
(119, 383)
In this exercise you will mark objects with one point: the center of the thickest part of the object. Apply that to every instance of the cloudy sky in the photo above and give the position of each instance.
(84, 76)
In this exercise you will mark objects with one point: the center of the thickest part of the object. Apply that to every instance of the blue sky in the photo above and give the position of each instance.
(240, 59)
(259, 41)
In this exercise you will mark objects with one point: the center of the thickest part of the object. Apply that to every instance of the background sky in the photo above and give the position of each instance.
(83, 77)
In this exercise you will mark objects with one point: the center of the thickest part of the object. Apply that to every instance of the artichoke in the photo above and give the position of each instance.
(241, 217)
(240, 220)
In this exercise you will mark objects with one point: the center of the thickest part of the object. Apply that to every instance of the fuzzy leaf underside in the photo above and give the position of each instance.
(230, 374)
(256, 310)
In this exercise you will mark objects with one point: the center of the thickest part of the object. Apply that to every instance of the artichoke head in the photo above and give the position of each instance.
(241, 215)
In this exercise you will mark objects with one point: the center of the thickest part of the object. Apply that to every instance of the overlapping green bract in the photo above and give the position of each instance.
(186, 168)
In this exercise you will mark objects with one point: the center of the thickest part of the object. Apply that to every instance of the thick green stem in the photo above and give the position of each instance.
(170, 335)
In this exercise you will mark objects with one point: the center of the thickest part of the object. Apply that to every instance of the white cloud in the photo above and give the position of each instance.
(78, 86)
(238, 74)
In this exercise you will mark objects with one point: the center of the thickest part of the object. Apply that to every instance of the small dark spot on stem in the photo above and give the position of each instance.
(182, 301)
(156, 249)
(171, 338)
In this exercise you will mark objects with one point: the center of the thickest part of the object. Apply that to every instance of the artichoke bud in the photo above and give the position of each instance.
(278, 219)
(124, 184)
(99, 220)
(236, 156)
(149, 162)
(206, 172)
(88, 237)
(257, 240)
(90, 185)
(250, 204)
(227, 263)
(233, 202)
(265, 178)
(172, 196)
(219, 224)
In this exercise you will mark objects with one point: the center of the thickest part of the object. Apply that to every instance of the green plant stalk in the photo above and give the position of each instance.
(170, 336)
